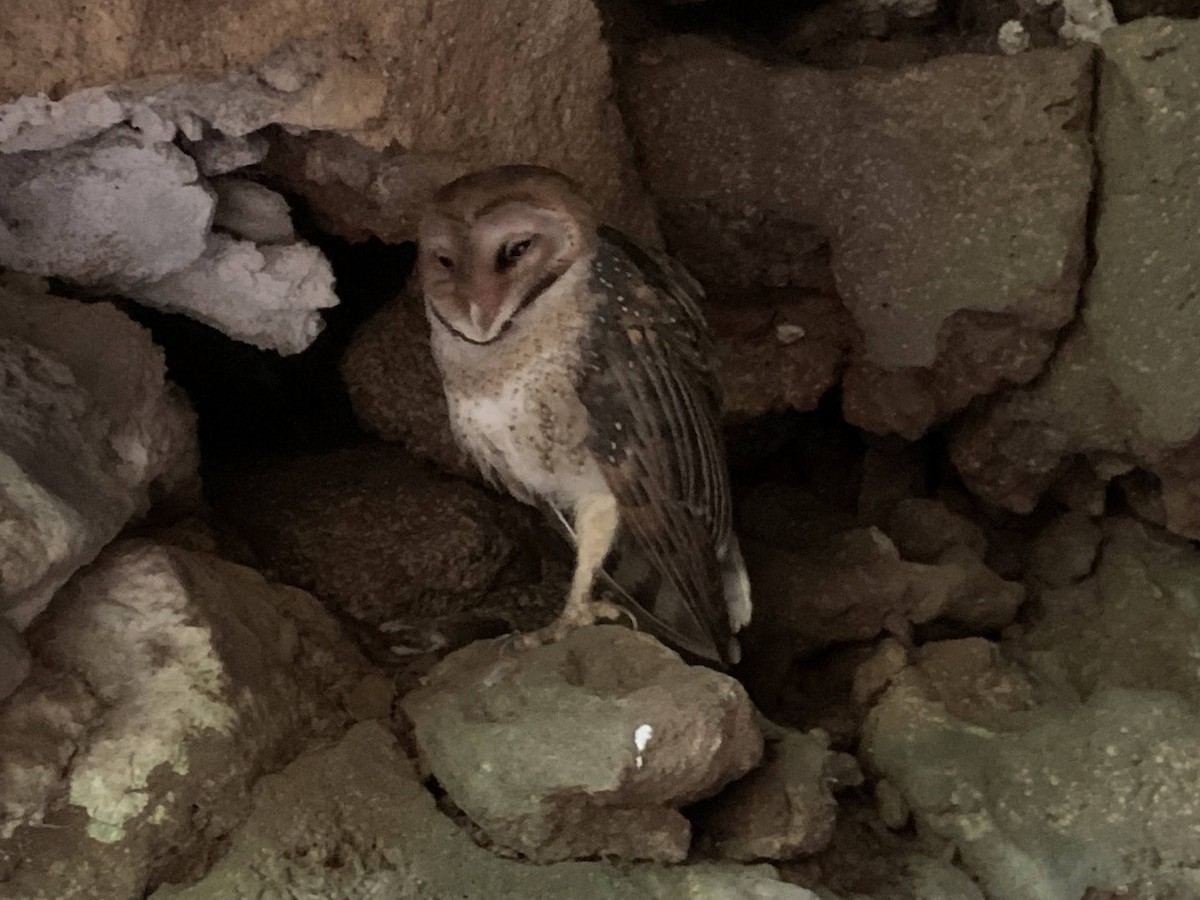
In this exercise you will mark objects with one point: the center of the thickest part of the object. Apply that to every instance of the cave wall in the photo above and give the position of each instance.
(948, 254)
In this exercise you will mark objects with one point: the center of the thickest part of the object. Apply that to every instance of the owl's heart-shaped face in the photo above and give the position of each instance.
(479, 273)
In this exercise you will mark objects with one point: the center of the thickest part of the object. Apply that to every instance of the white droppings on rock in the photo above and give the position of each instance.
(641, 737)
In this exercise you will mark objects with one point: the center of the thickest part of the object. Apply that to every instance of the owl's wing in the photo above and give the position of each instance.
(654, 414)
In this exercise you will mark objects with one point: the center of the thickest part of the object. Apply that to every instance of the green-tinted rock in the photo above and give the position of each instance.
(1122, 391)
(353, 821)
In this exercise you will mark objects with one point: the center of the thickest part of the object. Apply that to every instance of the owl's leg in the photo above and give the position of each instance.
(595, 530)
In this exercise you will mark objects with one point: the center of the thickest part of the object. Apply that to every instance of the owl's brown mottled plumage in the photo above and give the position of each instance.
(578, 371)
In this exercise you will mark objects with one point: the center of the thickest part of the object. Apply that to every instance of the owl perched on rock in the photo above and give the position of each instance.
(578, 370)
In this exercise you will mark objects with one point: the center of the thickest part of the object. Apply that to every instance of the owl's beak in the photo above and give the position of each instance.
(484, 311)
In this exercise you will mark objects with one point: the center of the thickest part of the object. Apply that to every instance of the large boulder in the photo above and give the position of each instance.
(1057, 801)
(387, 540)
(945, 205)
(164, 682)
(1121, 392)
(89, 442)
(354, 817)
(1060, 763)
(582, 748)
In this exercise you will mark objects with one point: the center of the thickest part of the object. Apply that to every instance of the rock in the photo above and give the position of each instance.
(854, 585)
(218, 154)
(14, 660)
(360, 819)
(622, 730)
(927, 531)
(1060, 760)
(90, 440)
(1012, 38)
(1064, 551)
(1130, 624)
(354, 191)
(322, 88)
(426, 81)
(250, 211)
(875, 673)
(783, 809)
(384, 539)
(266, 295)
(1055, 801)
(1119, 392)
(866, 861)
(919, 210)
(779, 355)
(81, 212)
(39, 123)
(395, 386)
(893, 471)
(1086, 20)
(971, 679)
(165, 682)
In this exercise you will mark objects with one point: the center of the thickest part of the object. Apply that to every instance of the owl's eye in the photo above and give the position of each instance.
(517, 250)
(446, 262)
(507, 256)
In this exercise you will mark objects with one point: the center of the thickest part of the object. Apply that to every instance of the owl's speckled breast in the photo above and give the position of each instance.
(513, 403)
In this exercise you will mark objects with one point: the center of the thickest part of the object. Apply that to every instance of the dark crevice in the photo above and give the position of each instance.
(252, 402)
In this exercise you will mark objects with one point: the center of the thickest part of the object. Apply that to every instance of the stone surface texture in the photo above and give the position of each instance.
(784, 808)
(120, 210)
(89, 440)
(248, 210)
(1059, 763)
(395, 386)
(851, 584)
(268, 295)
(218, 81)
(944, 203)
(14, 660)
(164, 683)
(582, 748)
(354, 819)
(1119, 394)
(383, 538)
(426, 80)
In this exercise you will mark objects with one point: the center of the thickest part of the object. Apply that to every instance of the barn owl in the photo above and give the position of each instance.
(578, 371)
